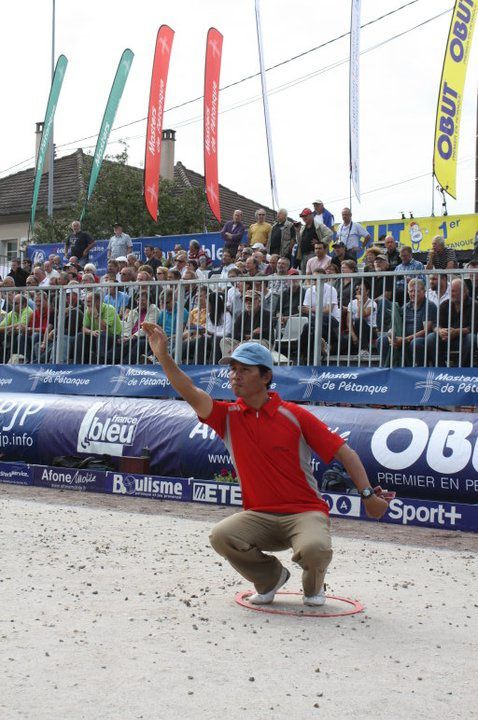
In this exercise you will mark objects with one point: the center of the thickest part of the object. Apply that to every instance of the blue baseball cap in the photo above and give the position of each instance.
(250, 353)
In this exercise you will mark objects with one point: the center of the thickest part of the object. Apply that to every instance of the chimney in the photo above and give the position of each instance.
(166, 170)
(38, 134)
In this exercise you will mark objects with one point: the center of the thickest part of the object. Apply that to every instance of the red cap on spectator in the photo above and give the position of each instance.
(305, 212)
(293, 271)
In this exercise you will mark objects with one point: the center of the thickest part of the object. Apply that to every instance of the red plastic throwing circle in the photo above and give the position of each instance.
(241, 599)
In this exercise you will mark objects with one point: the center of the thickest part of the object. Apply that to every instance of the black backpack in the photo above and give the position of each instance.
(336, 479)
(103, 462)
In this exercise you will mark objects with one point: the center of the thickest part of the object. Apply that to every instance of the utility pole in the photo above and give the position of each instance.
(476, 159)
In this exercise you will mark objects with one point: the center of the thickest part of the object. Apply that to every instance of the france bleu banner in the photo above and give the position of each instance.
(56, 84)
(432, 455)
(108, 119)
(450, 97)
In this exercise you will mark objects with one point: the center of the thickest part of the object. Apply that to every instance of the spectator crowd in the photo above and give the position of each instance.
(374, 303)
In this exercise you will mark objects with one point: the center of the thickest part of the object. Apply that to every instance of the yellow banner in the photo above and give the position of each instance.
(458, 231)
(450, 98)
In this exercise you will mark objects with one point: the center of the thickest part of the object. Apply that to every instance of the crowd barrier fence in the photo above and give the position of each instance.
(421, 319)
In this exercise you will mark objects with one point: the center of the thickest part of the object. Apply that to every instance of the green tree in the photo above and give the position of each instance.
(118, 198)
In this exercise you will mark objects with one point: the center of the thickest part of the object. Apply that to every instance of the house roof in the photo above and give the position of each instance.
(16, 190)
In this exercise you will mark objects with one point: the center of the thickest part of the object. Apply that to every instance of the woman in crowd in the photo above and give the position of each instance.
(190, 290)
(131, 344)
(34, 339)
(203, 271)
(370, 257)
(234, 301)
(218, 326)
(195, 328)
(362, 320)
(345, 286)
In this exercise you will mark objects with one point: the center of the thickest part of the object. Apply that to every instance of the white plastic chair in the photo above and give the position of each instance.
(290, 334)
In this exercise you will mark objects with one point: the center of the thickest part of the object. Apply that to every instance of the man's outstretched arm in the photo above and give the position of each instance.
(199, 400)
(375, 505)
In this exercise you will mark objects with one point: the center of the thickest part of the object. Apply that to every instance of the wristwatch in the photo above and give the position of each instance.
(366, 493)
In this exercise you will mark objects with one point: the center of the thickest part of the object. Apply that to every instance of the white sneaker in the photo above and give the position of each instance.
(266, 598)
(316, 600)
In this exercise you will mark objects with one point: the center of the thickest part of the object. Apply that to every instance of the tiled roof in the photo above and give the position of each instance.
(16, 190)
(230, 200)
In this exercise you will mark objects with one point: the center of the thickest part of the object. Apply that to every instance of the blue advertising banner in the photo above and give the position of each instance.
(357, 385)
(432, 455)
(148, 486)
(402, 511)
(98, 255)
(16, 473)
(68, 478)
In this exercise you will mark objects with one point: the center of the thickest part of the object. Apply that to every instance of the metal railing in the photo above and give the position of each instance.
(357, 319)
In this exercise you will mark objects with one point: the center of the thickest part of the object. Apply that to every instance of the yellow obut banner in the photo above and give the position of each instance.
(458, 231)
(450, 98)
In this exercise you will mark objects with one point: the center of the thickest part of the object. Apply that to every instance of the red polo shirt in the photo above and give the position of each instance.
(270, 449)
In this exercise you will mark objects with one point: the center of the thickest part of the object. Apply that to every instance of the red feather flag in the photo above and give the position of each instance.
(211, 104)
(154, 130)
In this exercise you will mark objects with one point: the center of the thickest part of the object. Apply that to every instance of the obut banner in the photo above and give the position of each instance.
(418, 454)
(458, 231)
(450, 97)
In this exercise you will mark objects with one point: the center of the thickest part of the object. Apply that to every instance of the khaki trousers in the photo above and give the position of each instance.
(242, 539)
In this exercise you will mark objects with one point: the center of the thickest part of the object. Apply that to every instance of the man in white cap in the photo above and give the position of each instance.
(269, 440)
(322, 215)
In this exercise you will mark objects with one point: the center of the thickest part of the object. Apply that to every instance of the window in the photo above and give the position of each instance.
(11, 247)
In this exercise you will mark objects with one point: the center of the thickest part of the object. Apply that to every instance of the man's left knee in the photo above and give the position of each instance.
(313, 553)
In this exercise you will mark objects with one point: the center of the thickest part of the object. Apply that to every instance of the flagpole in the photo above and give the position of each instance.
(433, 194)
(265, 104)
(51, 148)
(354, 100)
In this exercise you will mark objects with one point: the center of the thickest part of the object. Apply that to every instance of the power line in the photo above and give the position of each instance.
(237, 82)
(277, 89)
(315, 73)
(396, 184)
(297, 81)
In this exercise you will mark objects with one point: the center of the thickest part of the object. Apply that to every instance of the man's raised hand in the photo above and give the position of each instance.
(157, 338)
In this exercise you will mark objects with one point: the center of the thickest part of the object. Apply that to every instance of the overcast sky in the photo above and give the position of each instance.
(399, 86)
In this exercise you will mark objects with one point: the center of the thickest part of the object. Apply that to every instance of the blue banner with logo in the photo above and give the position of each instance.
(63, 478)
(16, 473)
(357, 385)
(431, 455)
(98, 255)
(402, 511)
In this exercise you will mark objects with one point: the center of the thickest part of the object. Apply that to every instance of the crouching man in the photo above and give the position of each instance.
(269, 441)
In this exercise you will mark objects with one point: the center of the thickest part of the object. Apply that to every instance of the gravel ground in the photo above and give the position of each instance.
(116, 608)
